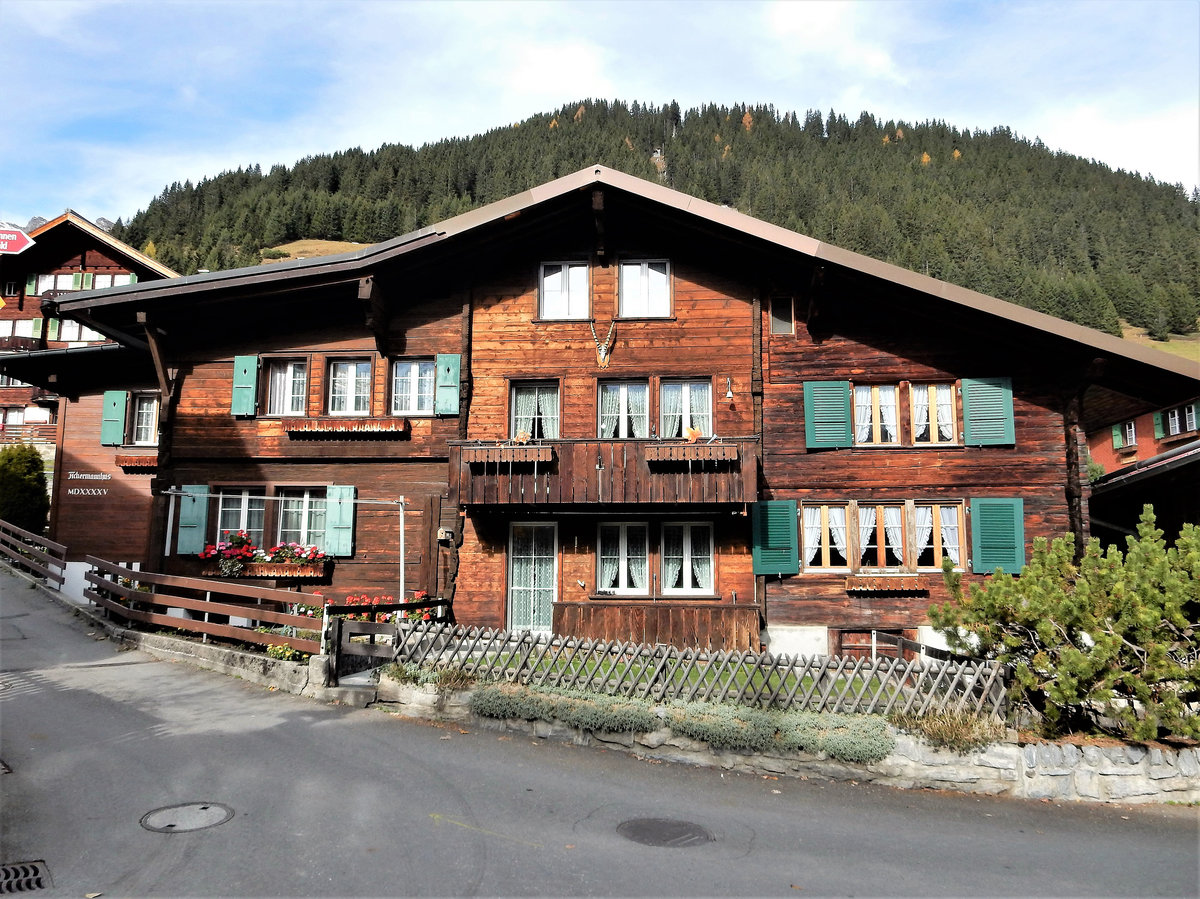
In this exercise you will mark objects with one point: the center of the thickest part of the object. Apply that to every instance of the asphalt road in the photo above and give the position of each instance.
(135, 777)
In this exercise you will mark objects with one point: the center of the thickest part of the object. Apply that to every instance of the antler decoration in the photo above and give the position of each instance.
(603, 349)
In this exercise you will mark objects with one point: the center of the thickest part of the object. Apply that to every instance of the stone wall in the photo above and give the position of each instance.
(1059, 771)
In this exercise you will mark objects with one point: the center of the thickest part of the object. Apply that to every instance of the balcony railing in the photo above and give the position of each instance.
(40, 433)
(568, 472)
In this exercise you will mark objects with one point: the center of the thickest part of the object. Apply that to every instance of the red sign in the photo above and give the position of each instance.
(13, 240)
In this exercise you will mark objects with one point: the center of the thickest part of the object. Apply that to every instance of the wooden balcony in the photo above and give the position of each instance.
(629, 472)
(683, 623)
(39, 433)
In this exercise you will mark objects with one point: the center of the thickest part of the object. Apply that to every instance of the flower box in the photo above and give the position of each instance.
(274, 569)
(358, 428)
(519, 453)
(692, 452)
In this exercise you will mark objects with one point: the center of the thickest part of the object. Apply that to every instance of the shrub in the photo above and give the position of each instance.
(1107, 643)
(955, 731)
(285, 653)
(23, 498)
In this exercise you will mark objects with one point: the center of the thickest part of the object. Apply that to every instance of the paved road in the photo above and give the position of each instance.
(329, 801)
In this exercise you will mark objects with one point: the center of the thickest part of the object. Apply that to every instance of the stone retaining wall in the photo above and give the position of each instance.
(1059, 771)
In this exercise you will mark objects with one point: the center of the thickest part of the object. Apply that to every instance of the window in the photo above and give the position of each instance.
(782, 316)
(287, 387)
(824, 543)
(644, 289)
(1181, 419)
(10, 288)
(685, 404)
(880, 536)
(687, 558)
(938, 534)
(624, 560)
(564, 290)
(14, 415)
(101, 281)
(302, 517)
(145, 419)
(350, 387)
(6, 327)
(1124, 436)
(535, 410)
(875, 414)
(933, 419)
(413, 387)
(27, 327)
(69, 331)
(241, 510)
(624, 410)
(899, 536)
(128, 419)
(68, 281)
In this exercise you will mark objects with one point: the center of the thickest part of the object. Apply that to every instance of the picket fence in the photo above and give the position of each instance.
(879, 685)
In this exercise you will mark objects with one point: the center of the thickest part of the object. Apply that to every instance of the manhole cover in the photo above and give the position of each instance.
(24, 877)
(186, 817)
(664, 832)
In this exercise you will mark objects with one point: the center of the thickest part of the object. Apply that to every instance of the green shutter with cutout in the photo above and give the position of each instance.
(1118, 437)
(31, 286)
(339, 521)
(997, 535)
(245, 385)
(112, 418)
(445, 398)
(76, 280)
(988, 412)
(37, 327)
(1159, 430)
(193, 519)
(52, 329)
(828, 414)
(89, 279)
(774, 546)
(133, 277)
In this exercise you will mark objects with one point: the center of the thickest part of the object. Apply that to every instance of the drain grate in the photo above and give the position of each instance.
(24, 877)
(664, 832)
(186, 817)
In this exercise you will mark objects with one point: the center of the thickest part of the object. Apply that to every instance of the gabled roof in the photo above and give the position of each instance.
(113, 308)
(73, 218)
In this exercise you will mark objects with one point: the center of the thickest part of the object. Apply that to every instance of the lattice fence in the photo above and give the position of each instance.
(877, 685)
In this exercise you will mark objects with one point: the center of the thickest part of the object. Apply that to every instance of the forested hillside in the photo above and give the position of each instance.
(990, 211)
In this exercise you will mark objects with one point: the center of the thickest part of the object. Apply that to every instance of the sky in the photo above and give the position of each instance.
(107, 102)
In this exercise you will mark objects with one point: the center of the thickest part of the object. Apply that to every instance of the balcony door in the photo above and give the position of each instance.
(532, 576)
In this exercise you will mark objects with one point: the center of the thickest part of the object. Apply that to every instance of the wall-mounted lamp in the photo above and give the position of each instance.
(599, 461)
(728, 388)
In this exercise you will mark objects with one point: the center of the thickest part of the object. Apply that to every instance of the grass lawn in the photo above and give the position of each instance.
(1185, 345)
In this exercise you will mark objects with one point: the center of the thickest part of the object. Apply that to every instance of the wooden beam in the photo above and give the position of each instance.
(375, 313)
(598, 219)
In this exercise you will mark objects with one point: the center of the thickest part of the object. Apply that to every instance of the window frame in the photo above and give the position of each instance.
(624, 586)
(240, 503)
(275, 364)
(877, 406)
(623, 413)
(934, 424)
(688, 555)
(537, 428)
(416, 368)
(776, 324)
(1129, 434)
(645, 286)
(1180, 420)
(856, 550)
(571, 310)
(311, 505)
(138, 401)
(352, 397)
(685, 420)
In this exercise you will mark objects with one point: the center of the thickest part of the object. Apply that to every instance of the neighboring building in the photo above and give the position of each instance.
(69, 254)
(605, 408)
(1142, 437)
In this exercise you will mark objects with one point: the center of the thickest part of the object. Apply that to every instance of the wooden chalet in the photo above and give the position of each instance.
(605, 408)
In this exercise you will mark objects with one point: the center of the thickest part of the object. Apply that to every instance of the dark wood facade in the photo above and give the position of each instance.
(547, 476)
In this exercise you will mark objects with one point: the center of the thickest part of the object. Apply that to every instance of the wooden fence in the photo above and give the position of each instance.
(358, 636)
(205, 606)
(663, 673)
(29, 552)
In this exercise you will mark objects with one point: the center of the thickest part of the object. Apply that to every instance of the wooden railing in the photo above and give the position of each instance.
(356, 643)
(27, 551)
(879, 685)
(704, 625)
(605, 471)
(40, 433)
(202, 606)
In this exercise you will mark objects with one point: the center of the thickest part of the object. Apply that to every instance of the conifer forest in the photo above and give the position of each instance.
(990, 211)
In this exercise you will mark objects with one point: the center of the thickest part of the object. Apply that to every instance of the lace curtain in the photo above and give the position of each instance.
(672, 558)
(636, 397)
(893, 529)
(944, 397)
(610, 410)
(837, 529)
(866, 532)
(812, 533)
(862, 414)
(924, 524)
(672, 411)
(636, 561)
(949, 516)
(701, 559)
(920, 401)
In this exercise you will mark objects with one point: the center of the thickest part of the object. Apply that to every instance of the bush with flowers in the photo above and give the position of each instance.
(237, 550)
(367, 602)
(418, 614)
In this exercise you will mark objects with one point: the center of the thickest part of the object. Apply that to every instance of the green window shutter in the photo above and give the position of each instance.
(828, 419)
(77, 280)
(133, 277)
(193, 519)
(997, 535)
(31, 286)
(37, 327)
(339, 522)
(445, 398)
(112, 420)
(1118, 437)
(52, 329)
(88, 280)
(988, 412)
(775, 548)
(1159, 430)
(245, 385)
